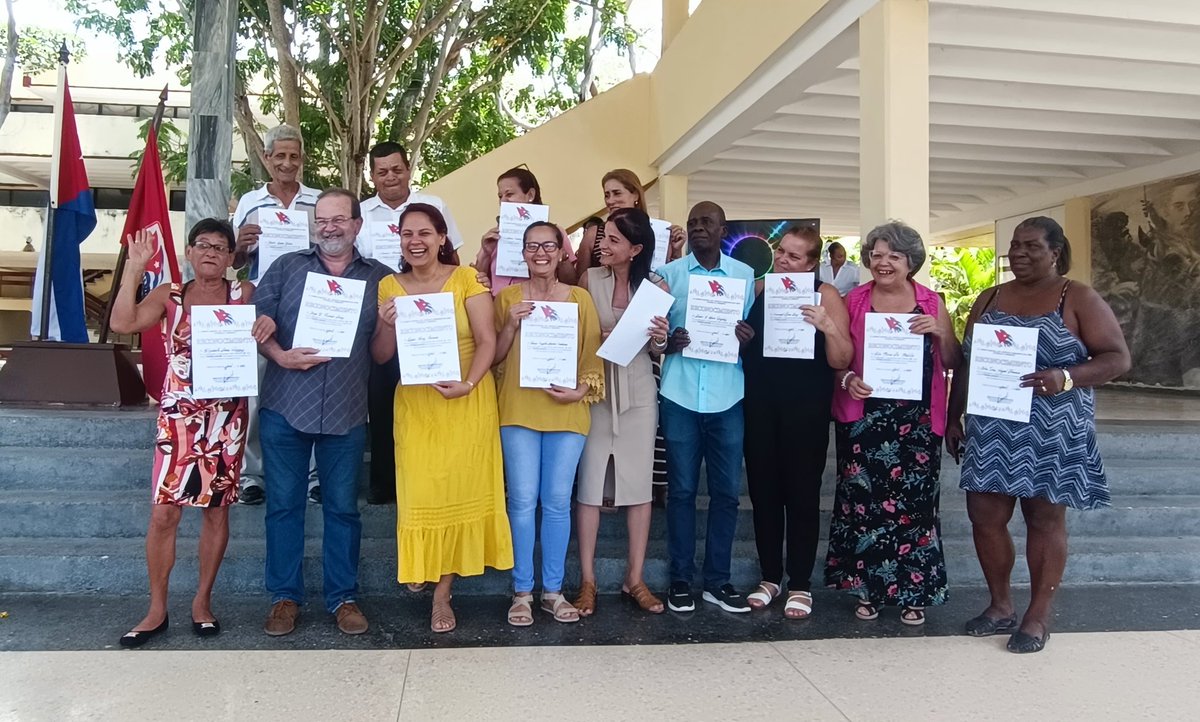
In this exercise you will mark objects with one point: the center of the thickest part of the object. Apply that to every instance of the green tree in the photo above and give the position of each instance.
(960, 275)
(34, 50)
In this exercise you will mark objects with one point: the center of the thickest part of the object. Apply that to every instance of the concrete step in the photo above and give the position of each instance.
(117, 566)
(133, 429)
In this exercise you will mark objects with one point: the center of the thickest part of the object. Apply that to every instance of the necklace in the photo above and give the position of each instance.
(549, 294)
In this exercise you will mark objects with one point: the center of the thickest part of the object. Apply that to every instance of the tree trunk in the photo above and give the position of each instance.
(10, 63)
(243, 116)
(289, 78)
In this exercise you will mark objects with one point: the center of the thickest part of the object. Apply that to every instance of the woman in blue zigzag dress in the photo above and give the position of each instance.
(1052, 462)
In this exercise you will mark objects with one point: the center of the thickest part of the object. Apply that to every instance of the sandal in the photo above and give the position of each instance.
(866, 611)
(641, 596)
(585, 602)
(985, 626)
(416, 587)
(556, 604)
(1025, 643)
(442, 620)
(766, 593)
(798, 606)
(520, 614)
(912, 616)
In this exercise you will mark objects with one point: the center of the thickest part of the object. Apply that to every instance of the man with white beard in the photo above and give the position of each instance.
(309, 402)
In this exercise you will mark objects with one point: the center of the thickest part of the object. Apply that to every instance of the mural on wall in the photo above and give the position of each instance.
(1146, 264)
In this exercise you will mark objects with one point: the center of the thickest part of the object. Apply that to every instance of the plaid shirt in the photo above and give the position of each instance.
(329, 398)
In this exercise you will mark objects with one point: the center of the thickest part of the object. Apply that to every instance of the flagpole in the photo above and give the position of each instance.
(64, 57)
(124, 252)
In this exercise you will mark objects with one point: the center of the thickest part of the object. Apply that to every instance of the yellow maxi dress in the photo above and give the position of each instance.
(450, 509)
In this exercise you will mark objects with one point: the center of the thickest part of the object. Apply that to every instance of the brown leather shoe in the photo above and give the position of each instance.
(282, 618)
(350, 619)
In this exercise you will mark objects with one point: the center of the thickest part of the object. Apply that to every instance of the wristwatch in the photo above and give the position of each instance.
(1068, 384)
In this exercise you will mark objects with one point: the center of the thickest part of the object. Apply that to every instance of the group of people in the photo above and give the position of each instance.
(469, 462)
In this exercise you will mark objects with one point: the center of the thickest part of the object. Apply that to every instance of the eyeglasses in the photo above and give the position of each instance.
(548, 247)
(338, 221)
(202, 246)
(893, 256)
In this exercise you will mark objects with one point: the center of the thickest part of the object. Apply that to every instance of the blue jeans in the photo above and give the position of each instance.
(285, 470)
(540, 464)
(717, 440)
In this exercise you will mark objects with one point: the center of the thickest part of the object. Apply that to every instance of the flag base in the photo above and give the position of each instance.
(46, 373)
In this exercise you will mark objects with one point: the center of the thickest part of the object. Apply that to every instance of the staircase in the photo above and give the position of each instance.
(75, 493)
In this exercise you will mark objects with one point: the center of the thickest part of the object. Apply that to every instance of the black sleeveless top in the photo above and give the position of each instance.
(791, 381)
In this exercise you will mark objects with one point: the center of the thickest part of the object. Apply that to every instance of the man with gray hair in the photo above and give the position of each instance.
(283, 157)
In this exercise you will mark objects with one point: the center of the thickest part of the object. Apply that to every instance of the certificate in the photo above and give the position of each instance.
(715, 304)
(282, 232)
(384, 241)
(329, 314)
(224, 354)
(514, 219)
(631, 333)
(893, 357)
(785, 332)
(550, 345)
(427, 339)
(1000, 356)
(662, 242)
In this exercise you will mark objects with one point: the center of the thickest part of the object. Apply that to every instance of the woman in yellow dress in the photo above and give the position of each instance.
(450, 516)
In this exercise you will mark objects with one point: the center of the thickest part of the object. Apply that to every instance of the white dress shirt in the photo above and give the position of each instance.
(253, 201)
(844, 280)
(374, 209)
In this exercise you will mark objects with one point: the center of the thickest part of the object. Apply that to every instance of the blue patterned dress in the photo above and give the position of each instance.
(1054, 456)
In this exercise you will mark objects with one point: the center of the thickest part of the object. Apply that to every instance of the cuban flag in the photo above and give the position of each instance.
(73, 217)
(148, 211)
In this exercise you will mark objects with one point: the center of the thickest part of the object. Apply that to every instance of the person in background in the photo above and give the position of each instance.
(841, 275)
(885, 544)
(619, 452)
(199, 444)
(1052, 462)
(787, 430)
(450, 518)
(517, 185)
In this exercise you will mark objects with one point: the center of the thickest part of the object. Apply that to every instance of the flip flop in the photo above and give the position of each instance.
(1022, 643)
(985, 626)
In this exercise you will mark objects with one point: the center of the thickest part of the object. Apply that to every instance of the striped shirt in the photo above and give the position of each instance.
(254, 201)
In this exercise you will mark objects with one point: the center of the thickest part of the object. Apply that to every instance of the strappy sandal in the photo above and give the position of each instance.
(798, 606)
(641, 596)
(866, 611)
(557, 605)
(762, 597)
(442, 619)
(416, 587)
(585, 602)
(520, 614)
(913, 616)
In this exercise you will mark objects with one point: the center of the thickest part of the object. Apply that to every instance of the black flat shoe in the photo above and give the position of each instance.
(137, 639)
(1022, 643)
(206, 629)
(984, 626)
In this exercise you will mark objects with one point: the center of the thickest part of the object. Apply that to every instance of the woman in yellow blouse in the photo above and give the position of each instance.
(543, 429)
(450, 517)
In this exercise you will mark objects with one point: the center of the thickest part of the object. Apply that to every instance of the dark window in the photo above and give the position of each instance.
(177, 201)
(112, 198)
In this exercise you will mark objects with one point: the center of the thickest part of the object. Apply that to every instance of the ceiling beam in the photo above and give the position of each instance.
(1168, 12)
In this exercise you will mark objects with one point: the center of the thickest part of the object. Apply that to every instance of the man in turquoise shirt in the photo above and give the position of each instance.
(701, 417)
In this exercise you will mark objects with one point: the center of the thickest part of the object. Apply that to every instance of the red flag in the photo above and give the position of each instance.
(148, 211)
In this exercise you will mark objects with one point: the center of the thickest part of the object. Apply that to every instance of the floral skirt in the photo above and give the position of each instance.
(885, 537)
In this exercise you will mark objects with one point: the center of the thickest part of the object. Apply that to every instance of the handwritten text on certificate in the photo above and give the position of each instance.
(785, 332)
(384, 241)
(224, 354)
(550, 345)
(514, 219)
(715, 304)
(282, 232)
(1000, 356)
(893, 357)
(329, 313)
(427, 339)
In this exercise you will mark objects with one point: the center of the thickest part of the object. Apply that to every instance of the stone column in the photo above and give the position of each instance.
(210, 138)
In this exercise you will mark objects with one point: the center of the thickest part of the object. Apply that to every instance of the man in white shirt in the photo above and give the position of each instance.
(390, 174)
(283, 156)
(841, 275)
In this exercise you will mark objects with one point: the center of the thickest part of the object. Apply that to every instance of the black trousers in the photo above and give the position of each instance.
(381, 411)
(785, 449)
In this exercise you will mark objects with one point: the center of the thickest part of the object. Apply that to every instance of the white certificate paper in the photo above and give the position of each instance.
(385, 241)
(715, 305)
(662, 242)
(329, 314)
(550, 345)
(785, 332)
(282, 232)
(224, 354)
(893, 357)
(631, 333)
(514, 219)
(427, 339)
(1000, 356)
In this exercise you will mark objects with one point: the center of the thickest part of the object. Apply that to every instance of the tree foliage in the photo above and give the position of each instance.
(960, 275)
(37, 48)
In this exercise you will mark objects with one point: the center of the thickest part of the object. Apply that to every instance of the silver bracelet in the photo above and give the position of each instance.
(846, 380)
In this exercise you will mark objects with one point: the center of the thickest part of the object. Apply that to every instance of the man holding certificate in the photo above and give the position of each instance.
(701, 408)
(314, 398)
